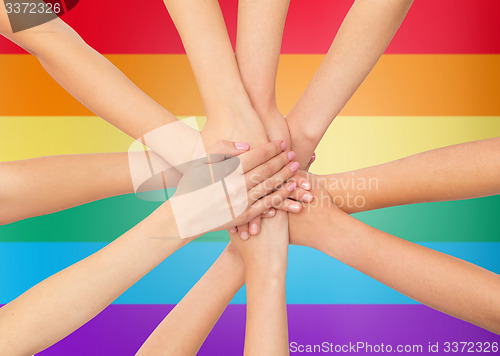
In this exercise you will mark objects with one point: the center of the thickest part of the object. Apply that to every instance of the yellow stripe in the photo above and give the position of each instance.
(351, 142)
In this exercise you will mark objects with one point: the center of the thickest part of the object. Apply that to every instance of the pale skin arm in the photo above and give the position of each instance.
(45, 185)
(230, 115)
(446, 283)
(462, 171)
(55, 183)
(89, 77)
(59, 305)
(258, 47)
(187, 326)
(229, 111)
(265, 260)
(364, 35)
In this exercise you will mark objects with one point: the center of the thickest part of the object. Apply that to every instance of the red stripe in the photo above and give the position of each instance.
(432, 27)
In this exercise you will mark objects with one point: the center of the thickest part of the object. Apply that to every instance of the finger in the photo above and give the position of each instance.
(268, 169)
(254, 226)
(300, 194)
(313, 158)
(261, 154)
(301, 180)
(271, 213)
(290, 205)
(273, 183)
(273, 200)
(229, 148)
(243, 231)
(232, 229)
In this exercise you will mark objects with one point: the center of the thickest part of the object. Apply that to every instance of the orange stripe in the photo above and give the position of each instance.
(399, 85)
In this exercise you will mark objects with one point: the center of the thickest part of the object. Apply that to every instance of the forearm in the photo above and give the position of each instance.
(187, 326)
(443, 282)
(361, 40)
(258, 46)
(48, 184)
(204, 35)
(62, 303)
(462, 171)
(266, 326)
(91, 78)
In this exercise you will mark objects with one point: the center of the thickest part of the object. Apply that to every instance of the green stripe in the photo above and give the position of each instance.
(473, 220)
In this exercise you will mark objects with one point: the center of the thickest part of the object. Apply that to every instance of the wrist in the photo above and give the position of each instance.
(164, 226)
(266, 277)
(272, 269)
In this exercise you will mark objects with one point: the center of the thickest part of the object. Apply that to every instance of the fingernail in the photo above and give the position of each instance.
(253, 229)
(283, 145)
(292, 186)
(244, 235)
(291, 155)
(305, 185)
(242, 146)
(233, 229)
(295, 208)
(307, 197)
(269, 213)
(295, 166)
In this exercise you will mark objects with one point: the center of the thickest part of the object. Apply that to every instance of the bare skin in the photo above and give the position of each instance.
(452, 173)
(62, 303)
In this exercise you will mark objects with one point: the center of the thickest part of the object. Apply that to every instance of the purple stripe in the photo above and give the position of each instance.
(121, 329)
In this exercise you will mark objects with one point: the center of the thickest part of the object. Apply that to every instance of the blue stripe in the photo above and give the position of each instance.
(313, 278)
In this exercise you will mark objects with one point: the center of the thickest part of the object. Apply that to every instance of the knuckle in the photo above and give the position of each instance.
(267, 169)
(262, 155)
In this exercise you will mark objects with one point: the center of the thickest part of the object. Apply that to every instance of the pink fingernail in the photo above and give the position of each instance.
(291, 155)
(294, 208)
(253, 229)
(292, 186)
(307, 198)
(242, 146)
(295, 166)
(233, 230)
(244, 235)
(283, 145)
(305, 185)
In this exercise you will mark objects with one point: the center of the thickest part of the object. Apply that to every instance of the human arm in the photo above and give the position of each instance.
(463, 171)
(443, 282)
(57, 306)
(229, 111)
(88, 76)
(361, 40)
(187, 326)
(258, 47)
(265, 259)
(45, 185)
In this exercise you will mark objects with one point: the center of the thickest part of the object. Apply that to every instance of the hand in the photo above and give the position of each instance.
(264, 255)
(277, 128)
(321, 213)
(251, 189)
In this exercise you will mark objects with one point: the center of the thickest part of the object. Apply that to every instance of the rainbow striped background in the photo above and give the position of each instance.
(438, 84)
